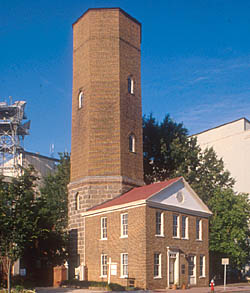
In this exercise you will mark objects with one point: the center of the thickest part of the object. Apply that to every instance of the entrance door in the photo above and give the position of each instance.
(171, 270)
(192, 270)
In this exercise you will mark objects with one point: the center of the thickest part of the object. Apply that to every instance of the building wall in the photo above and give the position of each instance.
(232, 143)
(141, 245)
(134, 245)
(106, 51)
(157, 244)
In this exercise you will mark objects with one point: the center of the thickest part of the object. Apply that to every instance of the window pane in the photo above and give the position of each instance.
(158, 223)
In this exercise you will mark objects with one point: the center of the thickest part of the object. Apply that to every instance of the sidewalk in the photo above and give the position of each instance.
(244, 288)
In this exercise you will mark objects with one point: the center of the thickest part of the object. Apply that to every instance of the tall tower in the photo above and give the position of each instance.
(106, 149)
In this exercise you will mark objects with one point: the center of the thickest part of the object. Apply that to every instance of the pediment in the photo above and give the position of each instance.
(179, 195)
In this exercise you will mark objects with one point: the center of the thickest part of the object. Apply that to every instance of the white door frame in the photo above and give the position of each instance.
(173, 253)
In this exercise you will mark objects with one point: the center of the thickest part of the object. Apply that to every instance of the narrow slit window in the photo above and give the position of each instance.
(131, 85)
(80, 100)
(132, 143)
(77, 201)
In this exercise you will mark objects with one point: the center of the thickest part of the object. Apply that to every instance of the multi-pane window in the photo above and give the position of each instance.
(132, 143)
(191, 265)
(124, 225)
(157, 265)
(159, 223)
(131, 85)
(124, 265)
(175, 226)
(184, 227)
(104, 265)
(198, 229)
(104, 228)
(202, 265)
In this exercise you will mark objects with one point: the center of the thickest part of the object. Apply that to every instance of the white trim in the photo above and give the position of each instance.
(159, 276)
(115, 208)
(103, 228)
(102, 265)
(200, 230)
(203, 266)
(124, 226)
(122, 266)
(186, 237)
(178, 227)
(161, 234)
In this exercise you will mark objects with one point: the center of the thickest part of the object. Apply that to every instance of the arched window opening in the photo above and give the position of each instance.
(80, 100)
(131, 85)
(132, 143)
(77, 201)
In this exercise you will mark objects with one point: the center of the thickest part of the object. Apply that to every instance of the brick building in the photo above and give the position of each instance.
(106, 192)
(154, 236)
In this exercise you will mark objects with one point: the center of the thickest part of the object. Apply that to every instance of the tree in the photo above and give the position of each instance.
(52, 208)
(229, 229)
(18, 218)
(169, 152)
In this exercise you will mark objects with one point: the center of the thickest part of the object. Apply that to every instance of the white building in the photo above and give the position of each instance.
(231, 142)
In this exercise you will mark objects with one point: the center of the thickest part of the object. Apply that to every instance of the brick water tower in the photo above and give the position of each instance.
(106, 151)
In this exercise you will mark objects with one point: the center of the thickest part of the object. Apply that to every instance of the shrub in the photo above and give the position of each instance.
(115, 287)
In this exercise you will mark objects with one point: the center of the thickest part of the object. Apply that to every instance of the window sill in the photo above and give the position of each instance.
(199, 240)
(103, 277)
(125, 236)
(202, 277)
(157, 278)
(159, 235)
(123, 277)
(176, 237)
(103, 239)
(184, 238)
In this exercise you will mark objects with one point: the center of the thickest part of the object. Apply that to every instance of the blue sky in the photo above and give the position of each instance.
(195, 61)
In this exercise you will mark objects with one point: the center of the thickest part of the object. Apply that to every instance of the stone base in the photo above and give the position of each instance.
(90, 192)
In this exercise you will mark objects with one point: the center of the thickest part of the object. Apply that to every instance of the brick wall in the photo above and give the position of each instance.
(141, 245)
(134, 245)
(106, 50)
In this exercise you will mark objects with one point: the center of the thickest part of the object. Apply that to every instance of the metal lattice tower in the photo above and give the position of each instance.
(12, 132)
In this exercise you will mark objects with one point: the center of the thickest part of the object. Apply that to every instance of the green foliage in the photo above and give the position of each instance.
(169, 152)
(229, 228)
(87, 284)
(115, 287)
(52, 211)
(18, 217)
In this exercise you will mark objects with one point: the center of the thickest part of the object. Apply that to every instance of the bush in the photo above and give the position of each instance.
(87, 284)
(115, 287)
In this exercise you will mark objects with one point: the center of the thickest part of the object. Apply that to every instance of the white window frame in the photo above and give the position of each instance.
(124, 225)
(193, 267)
(80, 99)
(157, 266)
(202, 266)
(124, 265)
(104, 228)
(104, 265)
(159, 224)
(185, 235)
(198, 229)
(177, 226)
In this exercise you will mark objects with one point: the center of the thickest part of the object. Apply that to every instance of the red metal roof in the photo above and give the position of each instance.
(138, 193)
